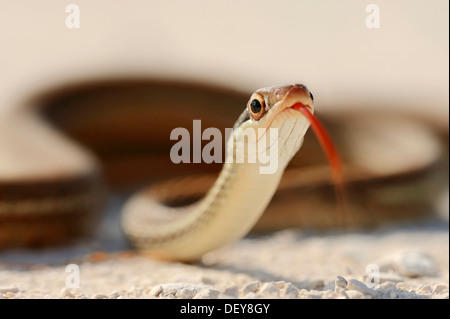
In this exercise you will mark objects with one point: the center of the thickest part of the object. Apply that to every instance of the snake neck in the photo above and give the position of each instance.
(227, 212)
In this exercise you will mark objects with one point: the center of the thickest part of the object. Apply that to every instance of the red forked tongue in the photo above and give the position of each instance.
(328, 147)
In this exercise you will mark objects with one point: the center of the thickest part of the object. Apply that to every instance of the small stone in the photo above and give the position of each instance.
(303, 293)
(281, 284)
(9, 289)
(100, 296)
(251, 287)
(314, 284)
(250, 295)
(354, 294)
(405, 286)
(340, 282)
(315, 294)
(208, 293)
(67, 292)
(387, 284)
(232, 291)
(156, 291)
(186, 293)
(438, 289)
(289, 290)
(354, 284)
(341, 292)
(114, 295)
(330, 294)
(425, 289)
(269, 288)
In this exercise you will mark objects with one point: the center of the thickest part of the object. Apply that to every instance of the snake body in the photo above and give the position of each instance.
(240, 194)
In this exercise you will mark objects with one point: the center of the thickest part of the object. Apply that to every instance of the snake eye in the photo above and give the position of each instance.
(311, 96)
(256, 107)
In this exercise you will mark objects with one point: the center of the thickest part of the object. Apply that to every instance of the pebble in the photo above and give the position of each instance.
(232, 291)
(155, 291)
(208, 293)
(100, 296)
(387, 284)
(114, 295)
(340, 282)
(303, 293)
(354, 294)
(340, 292)
(186, 293)
(251, 295)
(269, 288)
(314, 294)
(183, 291)
(281, 284)
(405, 286)
(439, 289)
(354, 284)
(251, 287)
(67, 292)
(290, 291)
(425, 289)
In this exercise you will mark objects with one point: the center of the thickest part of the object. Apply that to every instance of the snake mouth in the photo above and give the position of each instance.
(297, 106)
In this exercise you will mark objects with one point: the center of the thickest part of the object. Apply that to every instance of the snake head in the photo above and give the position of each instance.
(280, 97)
(266, 103)
(275, 110)
(272, 107)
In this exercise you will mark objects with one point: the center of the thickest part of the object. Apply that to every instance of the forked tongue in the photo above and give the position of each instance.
(330, 150)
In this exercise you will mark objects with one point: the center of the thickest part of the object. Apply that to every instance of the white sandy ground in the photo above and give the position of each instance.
(412, 260)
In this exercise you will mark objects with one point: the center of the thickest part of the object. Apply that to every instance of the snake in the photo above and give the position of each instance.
(63, 150)
(241, 192)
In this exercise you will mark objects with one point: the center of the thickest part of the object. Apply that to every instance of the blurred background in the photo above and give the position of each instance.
(400, 67)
